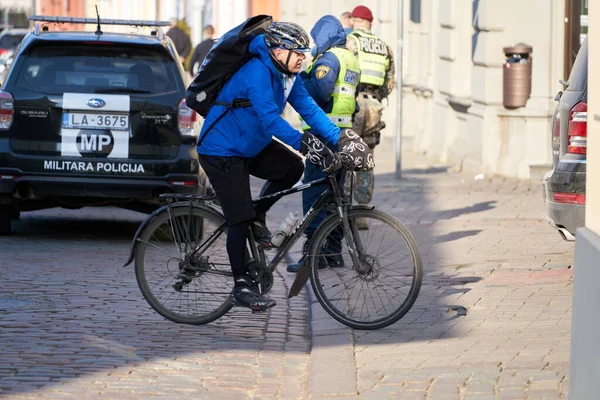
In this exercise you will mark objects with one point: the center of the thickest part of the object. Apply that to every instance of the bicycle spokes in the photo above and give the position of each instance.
(186, 269)
(380, 276)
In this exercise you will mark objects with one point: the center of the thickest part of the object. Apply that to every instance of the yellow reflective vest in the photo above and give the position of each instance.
(344, 93)
(373, 58)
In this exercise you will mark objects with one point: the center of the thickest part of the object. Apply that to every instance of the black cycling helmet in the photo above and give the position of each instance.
(287, 35)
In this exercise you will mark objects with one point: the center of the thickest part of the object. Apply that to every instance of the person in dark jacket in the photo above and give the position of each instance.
(332, 81)
(202, 49)
(240, 143)
(180, 39)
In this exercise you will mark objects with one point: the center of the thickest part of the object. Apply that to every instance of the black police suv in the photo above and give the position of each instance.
(93, 118)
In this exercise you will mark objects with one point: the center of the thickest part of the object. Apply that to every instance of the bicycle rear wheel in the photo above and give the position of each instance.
(383, 288)
(182, 286)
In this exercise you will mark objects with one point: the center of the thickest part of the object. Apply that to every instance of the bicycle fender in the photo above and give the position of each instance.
(139, 230)
(300, 281)
(135, 241)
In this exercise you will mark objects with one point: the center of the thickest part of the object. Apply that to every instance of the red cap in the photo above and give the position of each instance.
(362, 12)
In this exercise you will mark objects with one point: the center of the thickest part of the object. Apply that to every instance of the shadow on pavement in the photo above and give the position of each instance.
(449, 237)
(428, 170)
(70, 313)
(69, 228)
(475, 208)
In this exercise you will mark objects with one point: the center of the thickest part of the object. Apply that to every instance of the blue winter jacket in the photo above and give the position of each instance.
(245, 132)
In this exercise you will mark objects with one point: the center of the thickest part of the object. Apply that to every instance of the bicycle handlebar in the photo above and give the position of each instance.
(342, 160)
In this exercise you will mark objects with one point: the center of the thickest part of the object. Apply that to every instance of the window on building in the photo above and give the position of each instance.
(576, 28)
(583, 20)
(415, 11)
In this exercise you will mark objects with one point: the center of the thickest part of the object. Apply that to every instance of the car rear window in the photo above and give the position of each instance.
(10, 42)
(84, 68)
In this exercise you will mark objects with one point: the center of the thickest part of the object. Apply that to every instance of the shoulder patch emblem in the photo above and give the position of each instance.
(322, 71)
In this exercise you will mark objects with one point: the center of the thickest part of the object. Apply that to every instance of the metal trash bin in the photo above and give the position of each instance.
(517, 75)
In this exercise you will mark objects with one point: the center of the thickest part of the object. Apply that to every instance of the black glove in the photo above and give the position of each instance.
(318, 153)
(356, 151)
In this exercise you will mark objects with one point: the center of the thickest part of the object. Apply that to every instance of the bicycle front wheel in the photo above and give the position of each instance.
(181, 284)
(385, 285)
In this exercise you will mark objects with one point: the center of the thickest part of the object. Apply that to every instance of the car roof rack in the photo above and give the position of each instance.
(98, 21)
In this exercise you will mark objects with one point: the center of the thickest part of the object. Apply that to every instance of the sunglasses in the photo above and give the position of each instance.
(299, 53)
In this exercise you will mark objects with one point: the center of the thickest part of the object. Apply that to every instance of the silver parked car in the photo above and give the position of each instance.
(564, 186)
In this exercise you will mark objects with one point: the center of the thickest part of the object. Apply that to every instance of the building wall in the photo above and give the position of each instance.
(230, 13)
(171, 9)
(585, 348)
(453, 83)
(268, 7)
(116, 9)
(194, 18)
(72, 8)
(14, 13)
(109, 9)
(131, 9)
(453, 76)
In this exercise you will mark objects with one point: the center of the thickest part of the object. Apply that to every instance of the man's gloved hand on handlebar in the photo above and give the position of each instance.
(318, 153)
(354, 154)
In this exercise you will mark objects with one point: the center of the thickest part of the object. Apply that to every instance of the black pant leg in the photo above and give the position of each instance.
(280, 167)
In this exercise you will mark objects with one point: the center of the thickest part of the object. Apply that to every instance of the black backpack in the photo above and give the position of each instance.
(223, 60)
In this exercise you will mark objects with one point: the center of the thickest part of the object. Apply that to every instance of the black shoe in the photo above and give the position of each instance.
(295, 267)
(245, 295)
(332, 261)
(261, 233)
(330, 257)
(333, 255)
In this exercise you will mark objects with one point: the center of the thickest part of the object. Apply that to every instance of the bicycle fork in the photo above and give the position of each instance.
(355, 246)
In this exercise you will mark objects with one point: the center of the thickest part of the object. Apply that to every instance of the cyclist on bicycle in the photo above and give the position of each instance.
(241, 143)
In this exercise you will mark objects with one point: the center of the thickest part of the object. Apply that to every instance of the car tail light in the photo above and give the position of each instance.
(184, 183)
(578, 129)
(186, 118)
(569, 198)
(7, 104)
(3, 51)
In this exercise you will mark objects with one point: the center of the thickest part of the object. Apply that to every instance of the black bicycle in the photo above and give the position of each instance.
(183, 271)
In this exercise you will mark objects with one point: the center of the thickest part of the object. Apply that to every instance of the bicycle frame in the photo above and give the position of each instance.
(333, 191)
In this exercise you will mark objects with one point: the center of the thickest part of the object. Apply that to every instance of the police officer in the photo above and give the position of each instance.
(332, 81)
(376, 83)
